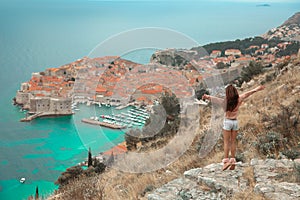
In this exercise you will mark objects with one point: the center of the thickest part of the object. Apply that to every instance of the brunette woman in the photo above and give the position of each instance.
(231, 105)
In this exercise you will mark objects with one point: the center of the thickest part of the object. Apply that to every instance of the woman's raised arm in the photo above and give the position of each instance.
(249, 93)
(213, 99)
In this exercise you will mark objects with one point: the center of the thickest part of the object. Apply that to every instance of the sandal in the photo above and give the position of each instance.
(226, 164)
(232, 163)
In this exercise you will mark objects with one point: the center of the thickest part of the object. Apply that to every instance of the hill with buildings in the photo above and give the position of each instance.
(288, 31)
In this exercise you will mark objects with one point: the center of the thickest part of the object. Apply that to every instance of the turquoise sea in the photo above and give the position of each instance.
(35, 35)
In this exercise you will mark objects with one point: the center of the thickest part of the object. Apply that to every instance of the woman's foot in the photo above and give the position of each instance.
(226, 164)
(232, 163)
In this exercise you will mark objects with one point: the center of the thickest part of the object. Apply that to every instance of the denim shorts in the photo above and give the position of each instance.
(230, 124)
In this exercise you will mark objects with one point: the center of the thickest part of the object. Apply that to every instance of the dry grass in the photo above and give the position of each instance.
(122, 185)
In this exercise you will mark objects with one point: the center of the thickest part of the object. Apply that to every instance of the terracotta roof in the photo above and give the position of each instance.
(119, 149)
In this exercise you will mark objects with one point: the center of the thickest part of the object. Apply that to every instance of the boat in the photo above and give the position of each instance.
(106, 120)
(22, 180)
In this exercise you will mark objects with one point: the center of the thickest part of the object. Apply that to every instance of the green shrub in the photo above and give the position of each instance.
(291, 153)
(148, 188)
(270, 143)
(70, 174)
(254, 68)
(152, 135)
(269, 77)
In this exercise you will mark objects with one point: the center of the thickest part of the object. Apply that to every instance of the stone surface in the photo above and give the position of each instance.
(266, 173)
(211, 182)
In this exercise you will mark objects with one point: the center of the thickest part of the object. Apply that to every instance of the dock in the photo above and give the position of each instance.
(95, 122)
(44, 114)
(124, 106)
(31, 117)
(121, 107)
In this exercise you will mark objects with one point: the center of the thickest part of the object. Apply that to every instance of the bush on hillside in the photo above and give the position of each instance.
(291, 153)
(290, 50)
(77, 172)
(287, 121)
(248, 72)
(270, 143)
(200, 90)
(70, 174)
(84, 188)
(152, 135)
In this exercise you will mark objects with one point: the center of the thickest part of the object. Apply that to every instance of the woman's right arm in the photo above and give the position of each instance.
(213, 99)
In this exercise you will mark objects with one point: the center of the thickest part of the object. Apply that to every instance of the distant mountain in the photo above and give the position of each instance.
(288, 31)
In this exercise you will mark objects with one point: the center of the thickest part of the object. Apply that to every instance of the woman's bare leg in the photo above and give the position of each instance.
(233, 135)
(226, 137)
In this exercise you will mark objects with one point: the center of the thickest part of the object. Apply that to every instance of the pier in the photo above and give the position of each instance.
(44, 114)
(95, 122)
(30, 118)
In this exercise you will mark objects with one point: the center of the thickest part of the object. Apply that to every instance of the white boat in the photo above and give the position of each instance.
(22, 180)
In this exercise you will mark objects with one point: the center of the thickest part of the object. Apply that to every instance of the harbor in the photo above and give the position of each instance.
(133, 118)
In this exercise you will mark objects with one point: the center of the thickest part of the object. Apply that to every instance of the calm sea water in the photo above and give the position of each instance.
(39, 34)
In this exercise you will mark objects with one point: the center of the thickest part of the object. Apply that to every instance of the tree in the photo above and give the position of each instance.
(170, 104)
(90, 160)
(254, 68)
(132, 138)
(290, 49)
(200, 91)
(70, 174)
(220, 65)
(37, 193)
(99, 167)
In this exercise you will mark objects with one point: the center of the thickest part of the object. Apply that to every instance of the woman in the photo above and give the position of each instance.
(231, 105)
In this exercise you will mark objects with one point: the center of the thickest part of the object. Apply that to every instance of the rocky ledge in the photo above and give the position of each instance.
(273, 179)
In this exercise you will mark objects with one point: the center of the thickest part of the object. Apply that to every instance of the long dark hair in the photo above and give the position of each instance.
(232, 98)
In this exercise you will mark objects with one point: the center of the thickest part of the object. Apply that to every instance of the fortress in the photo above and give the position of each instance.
(44, 106)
